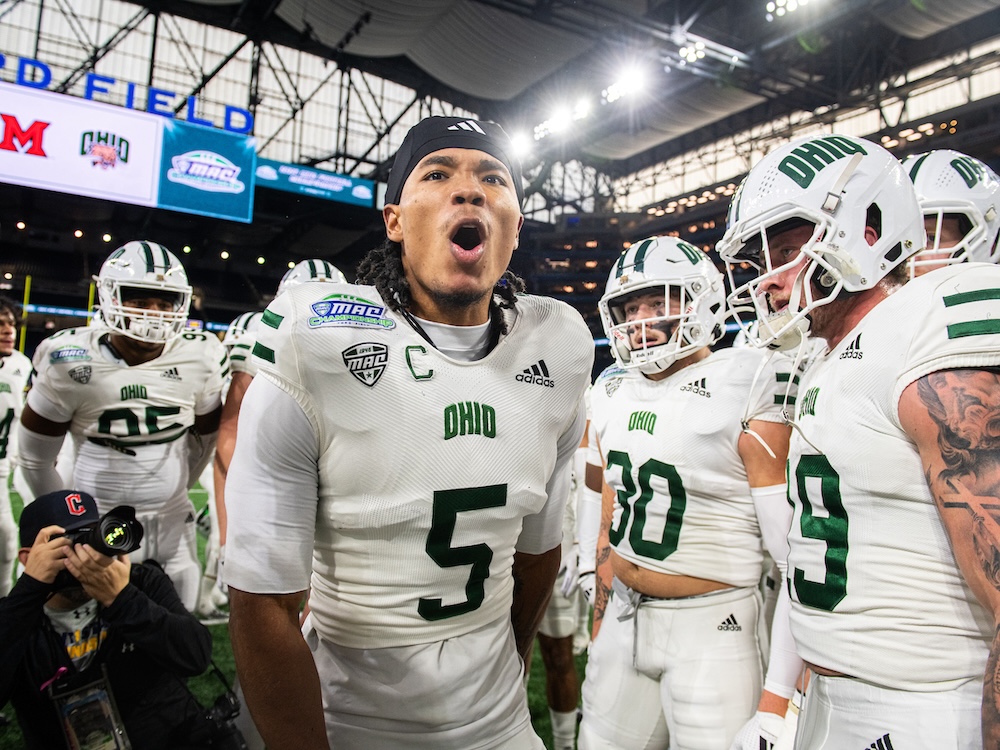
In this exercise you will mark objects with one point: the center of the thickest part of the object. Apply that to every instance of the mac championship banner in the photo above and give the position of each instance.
(207, 171)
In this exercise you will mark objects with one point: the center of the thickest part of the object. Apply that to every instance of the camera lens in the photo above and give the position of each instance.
(116, 534)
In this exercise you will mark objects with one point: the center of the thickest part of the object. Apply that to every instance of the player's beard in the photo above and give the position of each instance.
(456, 300)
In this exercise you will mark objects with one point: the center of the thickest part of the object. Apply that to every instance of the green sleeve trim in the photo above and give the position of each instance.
(980, 295)
(973, 328)
(271, 320)
(265, 353)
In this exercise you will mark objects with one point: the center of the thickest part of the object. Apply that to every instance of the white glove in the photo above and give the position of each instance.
(587, 583)
(787, 738)
(760, 733)
(568, 572)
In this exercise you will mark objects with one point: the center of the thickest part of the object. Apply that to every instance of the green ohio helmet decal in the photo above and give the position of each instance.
(692, 253)
(970, 170)
(810, 158)
(348, 310)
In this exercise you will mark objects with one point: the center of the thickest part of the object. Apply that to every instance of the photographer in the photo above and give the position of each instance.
(92, 647)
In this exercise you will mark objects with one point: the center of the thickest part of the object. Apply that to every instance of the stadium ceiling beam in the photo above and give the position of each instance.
(256, 20)
(88, 65)
(884, 53)
(207, 77)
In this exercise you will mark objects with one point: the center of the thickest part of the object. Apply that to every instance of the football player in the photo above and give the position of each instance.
(241, 334)
(15, 370)
(693, 445)
(401, 455)
(960, 200)
(893, 462)
(141, 396)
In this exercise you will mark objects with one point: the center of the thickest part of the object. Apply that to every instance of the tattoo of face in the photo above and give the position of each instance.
(965, 405)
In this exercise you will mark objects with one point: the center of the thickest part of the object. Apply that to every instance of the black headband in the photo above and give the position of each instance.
(436, 133)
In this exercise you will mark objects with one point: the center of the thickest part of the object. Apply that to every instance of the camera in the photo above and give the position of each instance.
(117, 532)
(221, 715)
(215, 726)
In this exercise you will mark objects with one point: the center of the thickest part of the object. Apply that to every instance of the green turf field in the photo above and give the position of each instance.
(207, 687)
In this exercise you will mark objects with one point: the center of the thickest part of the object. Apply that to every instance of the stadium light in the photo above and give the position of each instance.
(778, 8)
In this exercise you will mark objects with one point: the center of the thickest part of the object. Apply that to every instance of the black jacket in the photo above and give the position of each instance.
(153, 644)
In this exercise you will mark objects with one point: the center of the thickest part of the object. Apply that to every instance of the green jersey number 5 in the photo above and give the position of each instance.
(447, 505)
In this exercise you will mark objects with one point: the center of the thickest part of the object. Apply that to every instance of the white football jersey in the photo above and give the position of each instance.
(15, 369)
(670, 452)
(427, 465)
(127, 421)
(876, 592)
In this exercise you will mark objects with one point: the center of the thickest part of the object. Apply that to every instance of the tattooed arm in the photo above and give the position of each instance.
(602, 583)
(953, 416)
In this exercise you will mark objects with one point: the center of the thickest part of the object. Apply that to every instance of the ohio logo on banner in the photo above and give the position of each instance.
(71, 145)
(207, 171)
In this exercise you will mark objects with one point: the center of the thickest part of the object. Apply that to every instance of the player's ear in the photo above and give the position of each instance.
(393, 222)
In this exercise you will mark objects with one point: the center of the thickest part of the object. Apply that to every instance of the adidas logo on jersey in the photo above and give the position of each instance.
(882, 743)
(470, 125)
(538, 373)
(853, 351)
(171, 374)
(697, 387)
(730, 624)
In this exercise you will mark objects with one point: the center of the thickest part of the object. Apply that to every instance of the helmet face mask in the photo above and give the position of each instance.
(143, 271)
(952, 186)
(688, 295)
(816, 280)
(865, 222)
(307, 271)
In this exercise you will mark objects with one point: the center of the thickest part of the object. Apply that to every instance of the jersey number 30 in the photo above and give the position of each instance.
(667, 543)
(447, 505)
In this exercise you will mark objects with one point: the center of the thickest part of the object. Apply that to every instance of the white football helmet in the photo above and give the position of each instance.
(156, 272)
(951, 183)
(240, 327)
(839, 185)
(308, 271)
(673, 267)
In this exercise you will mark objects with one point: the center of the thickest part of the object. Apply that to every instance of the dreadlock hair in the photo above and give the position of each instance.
(382, 267)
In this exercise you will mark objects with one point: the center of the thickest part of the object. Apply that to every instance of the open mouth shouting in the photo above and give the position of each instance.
(467, 241)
